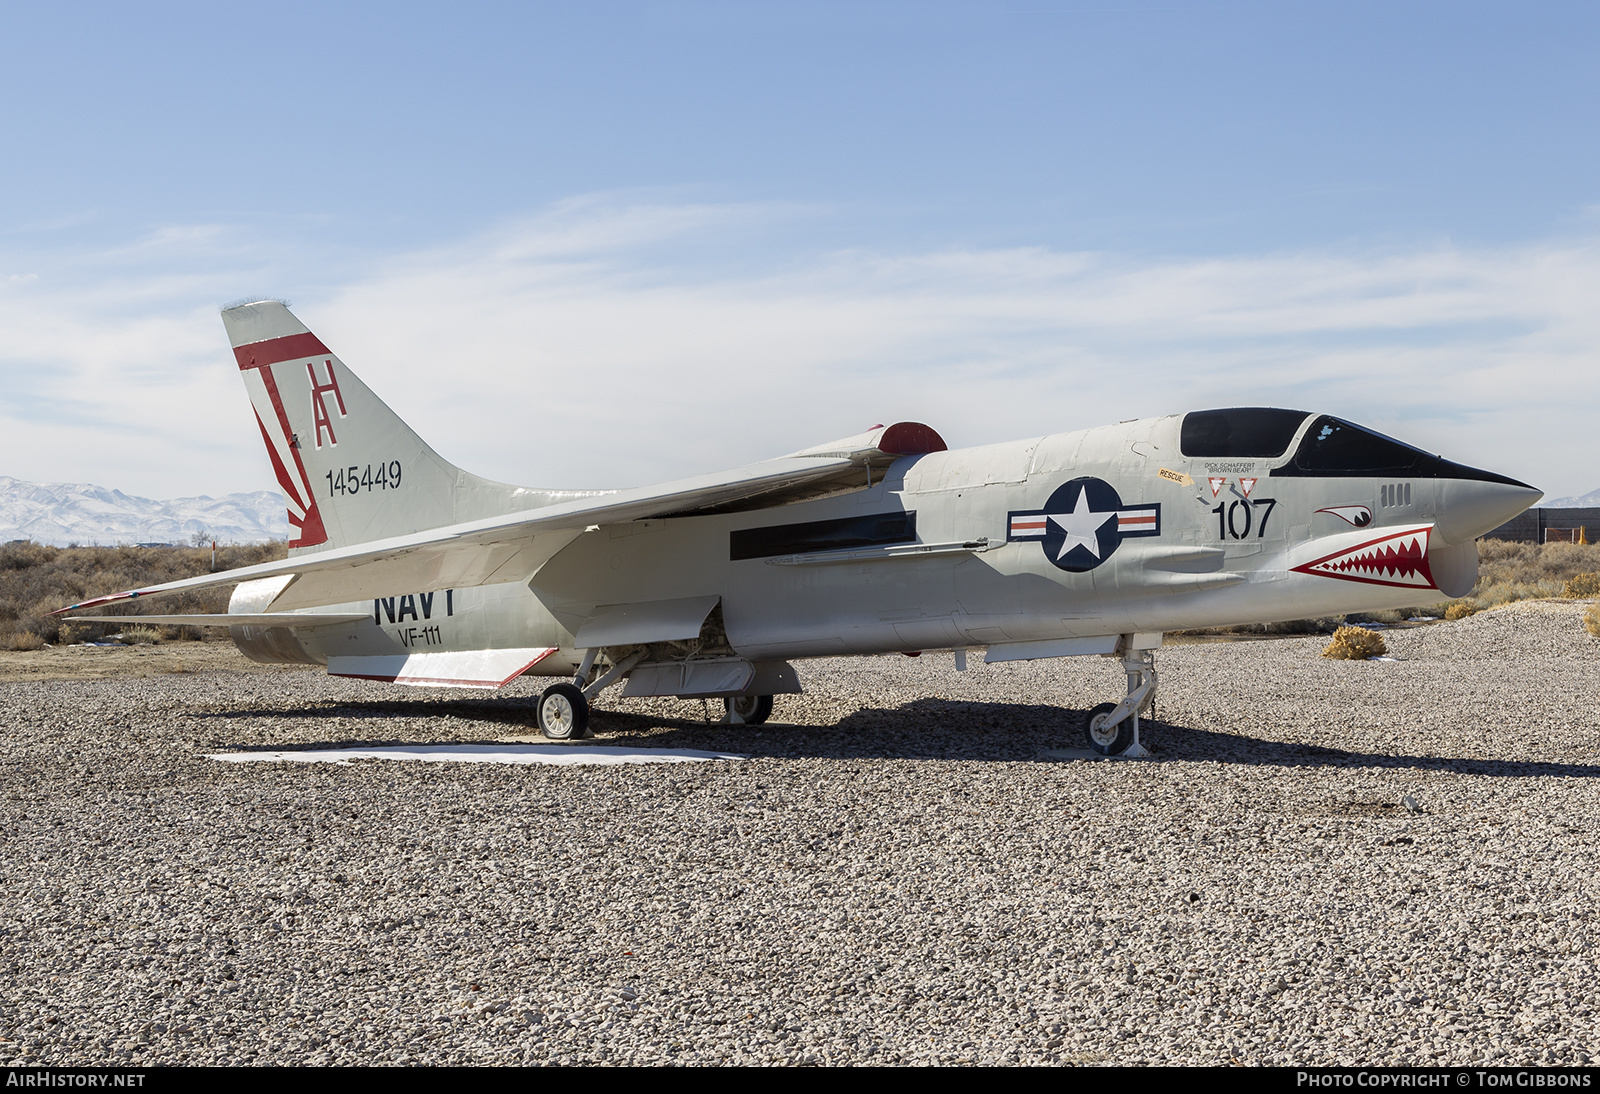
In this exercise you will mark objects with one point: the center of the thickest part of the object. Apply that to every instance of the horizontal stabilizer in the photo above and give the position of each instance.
(262, 619)
(463, 669)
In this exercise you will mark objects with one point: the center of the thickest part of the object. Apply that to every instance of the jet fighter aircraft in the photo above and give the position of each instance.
(405, 568)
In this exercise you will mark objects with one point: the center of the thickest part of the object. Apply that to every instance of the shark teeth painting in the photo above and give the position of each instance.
(1399, 558)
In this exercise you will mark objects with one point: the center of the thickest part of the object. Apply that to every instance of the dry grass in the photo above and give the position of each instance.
(1503, 563)
(1505, 592)
(35, 580)
(1355, 644)
(141, 636)
(1591, 620)
(1582, 586)
(1323, 625)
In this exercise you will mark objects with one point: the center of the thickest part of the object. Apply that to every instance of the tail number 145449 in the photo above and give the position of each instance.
(353, 479)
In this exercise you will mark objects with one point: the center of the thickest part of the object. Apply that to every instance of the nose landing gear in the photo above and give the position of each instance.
(1112, 729)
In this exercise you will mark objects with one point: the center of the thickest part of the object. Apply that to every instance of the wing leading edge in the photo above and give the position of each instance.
(513, 547)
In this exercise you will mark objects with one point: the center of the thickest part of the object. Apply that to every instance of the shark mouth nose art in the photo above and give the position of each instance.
(1398, 558)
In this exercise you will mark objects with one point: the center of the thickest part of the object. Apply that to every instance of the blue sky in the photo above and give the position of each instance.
(603, 244)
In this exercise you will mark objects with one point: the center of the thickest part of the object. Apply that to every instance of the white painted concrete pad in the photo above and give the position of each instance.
(484, 754)
(1082, 754)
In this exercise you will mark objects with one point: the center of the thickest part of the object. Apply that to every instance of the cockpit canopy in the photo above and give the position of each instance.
(1240, 433)
(1330, 447)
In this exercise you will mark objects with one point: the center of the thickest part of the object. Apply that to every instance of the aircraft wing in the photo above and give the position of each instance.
(231, 619)
(514, 546)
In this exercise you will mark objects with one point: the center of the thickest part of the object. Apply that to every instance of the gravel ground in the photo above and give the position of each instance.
(895, 876)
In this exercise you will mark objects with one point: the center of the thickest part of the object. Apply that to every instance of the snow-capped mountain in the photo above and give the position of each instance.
(65, 513)
(1583, 501)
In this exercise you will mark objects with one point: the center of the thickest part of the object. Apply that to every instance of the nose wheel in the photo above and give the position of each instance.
(1106, 737)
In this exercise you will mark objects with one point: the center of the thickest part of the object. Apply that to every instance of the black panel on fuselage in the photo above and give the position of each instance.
(869, 530)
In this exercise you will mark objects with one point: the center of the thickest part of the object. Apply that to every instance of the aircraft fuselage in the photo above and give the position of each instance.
(1129, 528)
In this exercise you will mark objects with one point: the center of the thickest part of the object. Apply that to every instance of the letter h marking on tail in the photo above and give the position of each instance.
(319, 409)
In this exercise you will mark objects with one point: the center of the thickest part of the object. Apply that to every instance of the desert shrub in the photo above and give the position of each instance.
(1321, 625)
(1326, 624)
(35, 580)
(1501, 557)
(25, 555)
(1504, 592)
(140, 636)
(1582, 586)
(1355, 644)
(1460, 609)
(1500, 562)
(1435, 610)
(71, 633)
(1591, 620)
(1561, 561)
(20, 640)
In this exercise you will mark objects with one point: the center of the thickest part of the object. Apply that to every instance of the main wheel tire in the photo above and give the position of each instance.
(1108, 739)
(752, 709)
(563, 712)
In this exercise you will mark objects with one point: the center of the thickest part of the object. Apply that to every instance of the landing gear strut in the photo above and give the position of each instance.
(1112, 729)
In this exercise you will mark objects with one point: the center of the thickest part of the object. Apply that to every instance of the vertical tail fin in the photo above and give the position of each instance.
(351, 470)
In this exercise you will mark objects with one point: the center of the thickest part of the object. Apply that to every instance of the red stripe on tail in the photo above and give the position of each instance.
(273, 350)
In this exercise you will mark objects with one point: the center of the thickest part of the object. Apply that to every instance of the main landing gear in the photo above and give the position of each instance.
(563, 712)
(563, 709)
(748, 710)
(1112, 729)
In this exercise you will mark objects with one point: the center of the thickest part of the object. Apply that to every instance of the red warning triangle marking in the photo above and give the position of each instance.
(1247, 485)
(1216, 484)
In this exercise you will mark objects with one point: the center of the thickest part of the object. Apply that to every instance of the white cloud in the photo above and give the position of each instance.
(596, 344)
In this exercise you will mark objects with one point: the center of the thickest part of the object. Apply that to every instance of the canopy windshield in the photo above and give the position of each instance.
(1241, 432)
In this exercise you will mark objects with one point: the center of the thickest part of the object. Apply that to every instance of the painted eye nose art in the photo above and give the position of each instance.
(1358, 516)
